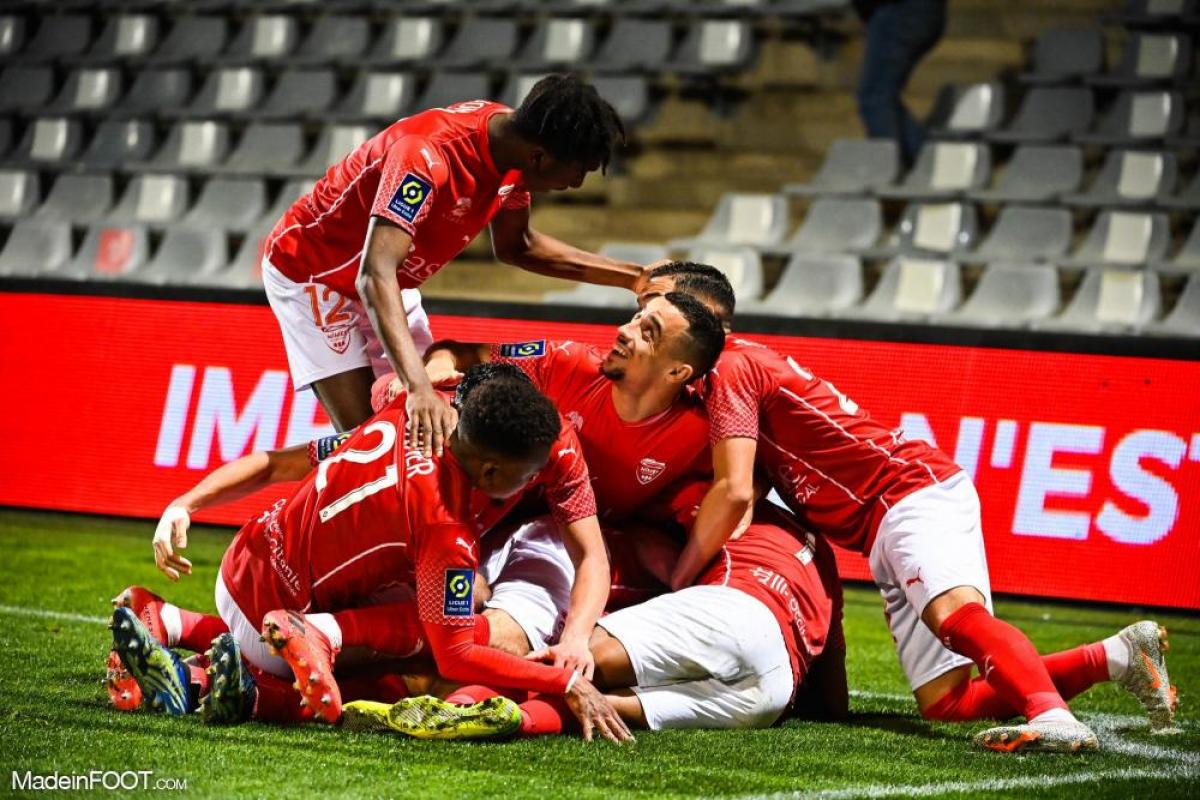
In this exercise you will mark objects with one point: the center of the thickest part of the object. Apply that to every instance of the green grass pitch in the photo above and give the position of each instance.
(59, 572)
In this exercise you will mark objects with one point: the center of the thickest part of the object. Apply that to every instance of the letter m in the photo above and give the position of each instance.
(216, 413)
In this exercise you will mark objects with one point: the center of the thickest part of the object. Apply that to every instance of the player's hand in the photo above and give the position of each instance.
(441, 371)
(572, 654)
(595, 713)
(430, 420)
(169, 536)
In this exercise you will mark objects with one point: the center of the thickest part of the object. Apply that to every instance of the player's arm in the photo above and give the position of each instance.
(726, 508)
(447, 360)
(589, 595)
(514, 241)
(431, 418)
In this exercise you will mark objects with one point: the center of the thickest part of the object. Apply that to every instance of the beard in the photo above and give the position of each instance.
(613, 373)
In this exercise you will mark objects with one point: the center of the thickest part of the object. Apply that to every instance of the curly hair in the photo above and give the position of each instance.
(703, 281)
(570, 120)
(480, 373)
(509, 418)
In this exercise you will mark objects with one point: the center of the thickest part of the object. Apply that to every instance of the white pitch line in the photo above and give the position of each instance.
(65, 616)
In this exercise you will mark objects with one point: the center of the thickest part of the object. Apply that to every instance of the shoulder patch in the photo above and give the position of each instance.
(323, 448)
(523, 349)
(457, 601)
(410, 196)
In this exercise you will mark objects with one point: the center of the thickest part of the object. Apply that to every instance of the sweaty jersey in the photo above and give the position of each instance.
(837, 468)
(630, 462)
(431, 174)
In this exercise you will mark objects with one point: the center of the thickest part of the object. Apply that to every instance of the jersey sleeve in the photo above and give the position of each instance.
(323, 448)
(411, 175)
(732, 400)
(568, 484)
(542, 359)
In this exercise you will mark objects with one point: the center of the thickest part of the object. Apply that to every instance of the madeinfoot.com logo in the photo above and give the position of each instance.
(94, 780)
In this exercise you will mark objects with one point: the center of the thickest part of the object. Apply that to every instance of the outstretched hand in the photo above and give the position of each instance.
(595, 713)
(169, 536)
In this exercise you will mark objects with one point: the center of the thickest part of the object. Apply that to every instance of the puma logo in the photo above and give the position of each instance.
(911, 581)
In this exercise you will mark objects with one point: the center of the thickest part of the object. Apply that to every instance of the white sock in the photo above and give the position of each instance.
(327, 625)
(1054, 715)
(1117, 652)
(172, 622)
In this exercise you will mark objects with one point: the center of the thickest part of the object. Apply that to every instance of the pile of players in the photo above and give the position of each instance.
(444, 566)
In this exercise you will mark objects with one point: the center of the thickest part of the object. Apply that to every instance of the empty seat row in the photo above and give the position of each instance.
(1064, 55)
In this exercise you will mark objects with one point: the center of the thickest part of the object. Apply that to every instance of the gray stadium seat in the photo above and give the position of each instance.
(118, 143)
(1024, 234)
(58, 36)
(1187, 259)
(263, 37)
(334, 144)
(852, 166)
(447, 88)
(19, 192)
(837, 225)
(155, 92)
(407, 41)
(50, 140)
(334, 38)
(1008, 296)
(25, 88)
(299, 93)
(377, 95)
(634, 44)
(1188, 197)
(517, 87)
(1184, 318)
(912, 289)
(1122, 238)
(12, 35)
(1129, 178)
(268, 148)
(930, 229)
(1110, 301)
(558, 43)
(109, 252)
(754, 220)
(184, 253)
(481, 42)
(125, 37)
(1150, 58)
(229, 90)
(1049, 114)
(1065, 54)
(245, 270)
(1138, 116)
(714, 45)
(288, 194)
(36, 247)
(6, 135)
(944, 170)
(1189, 136)
(742, 265)
(812, 285)
(191, 145)
(88, 90)
(193, 39)
(228, 204)
(1035, 173)
(151, 200)
(78, 199)
(1155, 13)
(973, 109)
(628, 94)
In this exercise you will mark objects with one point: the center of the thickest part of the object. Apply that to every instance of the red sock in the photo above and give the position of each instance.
(199, 630)
(1078, 669)
(392, 628)
(1006, 658)
(547, 714)
(470, 695)
(277, 700)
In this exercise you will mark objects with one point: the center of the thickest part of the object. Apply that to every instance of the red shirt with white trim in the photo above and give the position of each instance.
(630, 463)
(838, 469)
(431, 174)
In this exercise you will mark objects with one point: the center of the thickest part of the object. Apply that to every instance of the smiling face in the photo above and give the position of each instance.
(545, 173)
(647, 348)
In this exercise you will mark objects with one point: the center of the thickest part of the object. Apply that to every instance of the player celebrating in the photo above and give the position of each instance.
(342, 266)
(915, 515)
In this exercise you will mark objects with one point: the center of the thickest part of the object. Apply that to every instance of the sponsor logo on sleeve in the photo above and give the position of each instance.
(523, 349)
(457, 597)
(326, 446)
(410, 195)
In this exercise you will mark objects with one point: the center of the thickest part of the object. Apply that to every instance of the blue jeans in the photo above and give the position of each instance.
(898, 35)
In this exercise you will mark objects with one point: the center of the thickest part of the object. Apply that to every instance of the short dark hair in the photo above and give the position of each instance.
(703, 281)
(509, 419)
(571, 120)
(705, 334)
(481, 373)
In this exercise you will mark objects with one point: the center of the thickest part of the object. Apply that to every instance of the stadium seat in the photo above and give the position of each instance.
(634, 44)
(517, 87)
(967, 111)
(334, 143)
(1110, 301)
(558, 43)
(943, 170)
(1024, 234)
(755, 220)
(1149, 58)
(126, 37)
(109, 251)
(244, 271)
(229, 90)
(1187, 258)
(377, 95)
(6, 135)
(288, 194)
(836, 225)
(1189, 137)
(925, 229)
(155, 92)
(481, 42)
(190, 145)
(49, 141)
(267, 148)
(298, 94)
(36, 247)
(712, 46)
(852, 166)
(25, 89)
(19, 192)
(407, 41)
(1049, 114)
(184, 253)
(88, 90)
(812, 285)
(1008, 296)
(12, 35)
(1183, 319)
(263, 37)
(1035, 173)
(151, 200)
(1124, 238)
(1129, 178)
(912, 289)
(228, 204)
(118, 143)
(1137, 116)
(447, 88)
(628, 94)
(1065, 54)
(1188, 197)
(78, 199)
(58, 36)
(197, 39)
(334, 39)
(742, 265)
(1155, 13)
(635, 252)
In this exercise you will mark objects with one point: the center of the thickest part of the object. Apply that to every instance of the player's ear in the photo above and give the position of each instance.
(681, 373)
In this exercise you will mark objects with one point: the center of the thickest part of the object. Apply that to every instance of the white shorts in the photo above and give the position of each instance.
(927, 544)
(248, 636)
(531, 575)
(316, 351)
(705, 657)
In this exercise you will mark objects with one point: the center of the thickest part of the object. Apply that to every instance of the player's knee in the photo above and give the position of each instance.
(506, 634)
(947, 603)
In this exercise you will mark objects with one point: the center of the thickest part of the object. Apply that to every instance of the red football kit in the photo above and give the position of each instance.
(375, 514)
(837, 468)
(431, 174)
(630, 462)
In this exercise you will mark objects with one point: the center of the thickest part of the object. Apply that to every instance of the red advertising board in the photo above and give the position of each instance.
(1088, 466)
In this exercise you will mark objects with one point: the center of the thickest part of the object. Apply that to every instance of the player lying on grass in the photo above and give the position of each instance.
(342, 267)
(367, 519)
(915, 515)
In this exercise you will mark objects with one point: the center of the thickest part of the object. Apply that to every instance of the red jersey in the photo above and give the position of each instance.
(835, 467)
(630, 462)
(432, 174)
